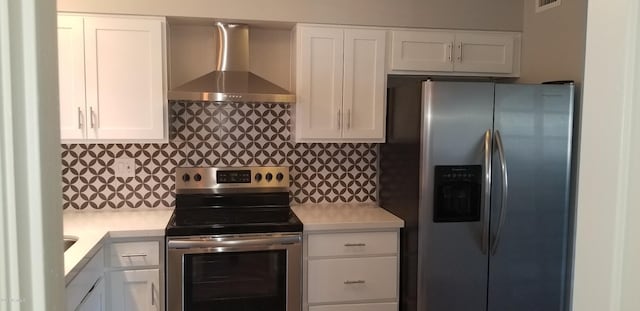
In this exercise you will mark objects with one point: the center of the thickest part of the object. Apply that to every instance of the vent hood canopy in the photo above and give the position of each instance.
(231, 80)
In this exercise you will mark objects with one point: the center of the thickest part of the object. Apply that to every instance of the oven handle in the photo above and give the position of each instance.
(232, 241)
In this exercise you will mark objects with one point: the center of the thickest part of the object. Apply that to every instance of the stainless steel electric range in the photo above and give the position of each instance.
(233, 243)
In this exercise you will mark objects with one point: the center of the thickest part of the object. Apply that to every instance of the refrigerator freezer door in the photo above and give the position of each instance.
(529, 268)
(452, 266)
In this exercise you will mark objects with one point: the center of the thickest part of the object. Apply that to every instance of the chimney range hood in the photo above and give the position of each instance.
(231, 80)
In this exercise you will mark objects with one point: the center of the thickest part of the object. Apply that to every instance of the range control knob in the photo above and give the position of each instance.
(258, 177)
(186, 177)
(268, 177)
(197, 177)
(279, 177)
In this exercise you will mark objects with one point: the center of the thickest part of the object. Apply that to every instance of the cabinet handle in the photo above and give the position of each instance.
(153, 298)
(354, 282)
(355, 244)
(339, 119)
(91, 116)
(348, 118)
(79, 118)
(450, 47)
(134, 255)
(460, 52)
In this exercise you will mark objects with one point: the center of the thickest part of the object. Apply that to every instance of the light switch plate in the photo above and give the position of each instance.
(125, 167)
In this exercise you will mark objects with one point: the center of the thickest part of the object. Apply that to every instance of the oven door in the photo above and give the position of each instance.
(234, 272)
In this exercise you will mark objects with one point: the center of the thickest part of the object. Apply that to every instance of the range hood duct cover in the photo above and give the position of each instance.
(231, 80)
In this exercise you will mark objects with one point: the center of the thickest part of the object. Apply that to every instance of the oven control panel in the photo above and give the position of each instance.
(217, 178)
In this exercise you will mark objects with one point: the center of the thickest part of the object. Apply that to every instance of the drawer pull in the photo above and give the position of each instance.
(134, 255)
(354, 282)
(355, 244)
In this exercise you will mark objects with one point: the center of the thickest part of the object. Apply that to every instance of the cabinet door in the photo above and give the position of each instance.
(71, 76)
(422, 50)
(134, 290)
(364, 84)
(484, 52)
(124, 78)
(95, 299)
(319, 84)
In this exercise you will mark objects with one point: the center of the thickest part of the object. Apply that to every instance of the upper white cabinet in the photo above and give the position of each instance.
(446, 52)
(112, 78)
(340, 84)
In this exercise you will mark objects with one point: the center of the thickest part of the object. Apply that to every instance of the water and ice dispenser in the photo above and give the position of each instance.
(457, 193)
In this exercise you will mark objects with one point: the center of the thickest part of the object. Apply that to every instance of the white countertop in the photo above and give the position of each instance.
(92, 228)
(345, 216)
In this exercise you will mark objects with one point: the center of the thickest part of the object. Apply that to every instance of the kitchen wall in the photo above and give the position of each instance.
(217, 134)
(553, 42)
(461, 14)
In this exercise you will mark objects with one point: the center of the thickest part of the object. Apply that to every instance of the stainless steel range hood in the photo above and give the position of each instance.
(231, 80)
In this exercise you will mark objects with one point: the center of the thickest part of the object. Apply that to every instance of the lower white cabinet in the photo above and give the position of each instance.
(86, 290)
(352, 279)
(387, 306)
(94, 300)
(134, 274)
(351, 270)
(135, 290)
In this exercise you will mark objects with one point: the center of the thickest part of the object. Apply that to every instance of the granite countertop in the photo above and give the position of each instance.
(93, 228)
(345, 216)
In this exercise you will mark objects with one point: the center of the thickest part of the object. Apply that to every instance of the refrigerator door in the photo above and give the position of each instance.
(529, 258)
(452, 265)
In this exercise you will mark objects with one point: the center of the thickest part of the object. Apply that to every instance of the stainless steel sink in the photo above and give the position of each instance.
(69, 240)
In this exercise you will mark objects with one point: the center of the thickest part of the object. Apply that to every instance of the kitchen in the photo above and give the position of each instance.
(451, 26)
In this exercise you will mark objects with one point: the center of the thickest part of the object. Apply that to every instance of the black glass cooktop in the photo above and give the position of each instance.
(235, 213)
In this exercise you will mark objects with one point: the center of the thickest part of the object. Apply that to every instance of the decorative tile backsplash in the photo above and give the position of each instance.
(217, 134)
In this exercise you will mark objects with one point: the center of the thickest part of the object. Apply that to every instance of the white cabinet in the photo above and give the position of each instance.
(134, 278)
(448, 52)
(86, 290)
(135, 290)
(340, 84)
(94, 301)
(71, 76)
(355, 270)
(112, 78)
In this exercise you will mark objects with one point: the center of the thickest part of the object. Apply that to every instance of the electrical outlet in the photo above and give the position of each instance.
(125, 167)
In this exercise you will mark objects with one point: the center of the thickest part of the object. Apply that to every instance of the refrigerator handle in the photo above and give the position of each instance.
(505, 191)
(486, 203)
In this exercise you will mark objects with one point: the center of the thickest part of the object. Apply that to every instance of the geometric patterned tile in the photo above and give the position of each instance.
(217, 134)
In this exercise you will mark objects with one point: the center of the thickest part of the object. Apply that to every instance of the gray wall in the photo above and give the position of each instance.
(553, 42)
(462, 14)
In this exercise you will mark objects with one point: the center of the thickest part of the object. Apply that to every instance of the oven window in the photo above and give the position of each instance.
(236, 281)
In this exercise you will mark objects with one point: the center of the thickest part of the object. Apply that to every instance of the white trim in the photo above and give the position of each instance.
(10, 297)
(630, 267)
(545, 7)
(606, 274)
(31, 273)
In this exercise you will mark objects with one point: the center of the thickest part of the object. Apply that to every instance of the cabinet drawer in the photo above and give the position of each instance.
(132, 254)
(357, 244)
(352, 279)
(358, 307)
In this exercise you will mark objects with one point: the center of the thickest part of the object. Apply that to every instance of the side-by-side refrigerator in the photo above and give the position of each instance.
(481, 174)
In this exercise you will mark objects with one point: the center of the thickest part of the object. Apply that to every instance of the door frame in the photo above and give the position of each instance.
(607, 252)
(31, 255)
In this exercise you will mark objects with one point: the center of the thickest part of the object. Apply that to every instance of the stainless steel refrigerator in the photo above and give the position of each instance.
(481, 174)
